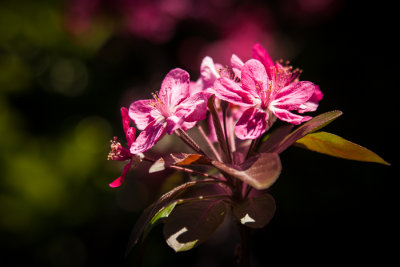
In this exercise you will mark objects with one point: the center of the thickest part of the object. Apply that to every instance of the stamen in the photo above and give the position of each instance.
(115, 153)
(227, 72)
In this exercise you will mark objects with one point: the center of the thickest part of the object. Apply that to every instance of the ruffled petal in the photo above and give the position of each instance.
(193, 108)
(148, 138)
(208, 72)
(313, 102)
(174, 88)
(118, 182)
(254, 77)
(289, 117)
(140, 112)
(259, 53)
(237, 65)
(252, 124)
(230, 91)
(292, 96)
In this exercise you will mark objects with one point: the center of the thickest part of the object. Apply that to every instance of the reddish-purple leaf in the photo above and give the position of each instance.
(275, 137)
(179, 159)
(191, 223)
(313, 125)
(166, 199)
(259, 171)
(255, 212)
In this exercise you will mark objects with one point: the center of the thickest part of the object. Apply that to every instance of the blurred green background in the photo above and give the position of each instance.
(66, 67)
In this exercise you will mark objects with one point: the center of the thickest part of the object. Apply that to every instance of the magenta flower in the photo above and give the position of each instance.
(259, 53)
(120, 153)
(265, 98)
(173, 108)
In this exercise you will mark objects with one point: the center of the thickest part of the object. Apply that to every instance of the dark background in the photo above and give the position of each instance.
(66, 67)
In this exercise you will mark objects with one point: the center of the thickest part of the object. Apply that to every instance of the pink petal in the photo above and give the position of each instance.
(312, 103)
(261, 54)
(208, 72)
(140, 113)
(174, 88)
(125, 118)
(287, 116)
(195, 87)
(292, 96)
(193, 108)
(188, 125)
(230, 91)
(130, 135)
(252, 124)
(173, 123)
(254, 77)
(237, 65)
(148, 138)
(118, 182)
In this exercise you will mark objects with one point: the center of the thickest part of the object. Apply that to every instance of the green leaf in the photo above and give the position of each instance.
(336, 146)
(163, 213)
(163, 202)
(259, 171)
(179, 159)
(312, 125)
(255, 212)
(193, 222)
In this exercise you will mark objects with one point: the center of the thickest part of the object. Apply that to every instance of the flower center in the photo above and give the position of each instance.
(283, 74)
(160, 106)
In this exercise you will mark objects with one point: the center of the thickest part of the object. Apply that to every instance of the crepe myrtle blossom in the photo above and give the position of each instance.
(172, 108)
(264, 97)
(120, 153)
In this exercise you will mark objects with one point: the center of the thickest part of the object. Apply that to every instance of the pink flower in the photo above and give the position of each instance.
(259, 53)
(120, 153)
(209, 73)
(173, 108)
(266, 98)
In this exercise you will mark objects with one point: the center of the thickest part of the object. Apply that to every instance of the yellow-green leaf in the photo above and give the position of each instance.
(336, 146)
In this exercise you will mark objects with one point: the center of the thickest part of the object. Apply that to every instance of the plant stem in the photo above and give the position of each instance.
(229, 155)
(189, 141)
(215, 152)
(243, 259)
(179, 168)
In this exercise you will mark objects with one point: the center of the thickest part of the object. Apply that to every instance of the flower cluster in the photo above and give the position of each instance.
(257, 91)
(250, 109)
